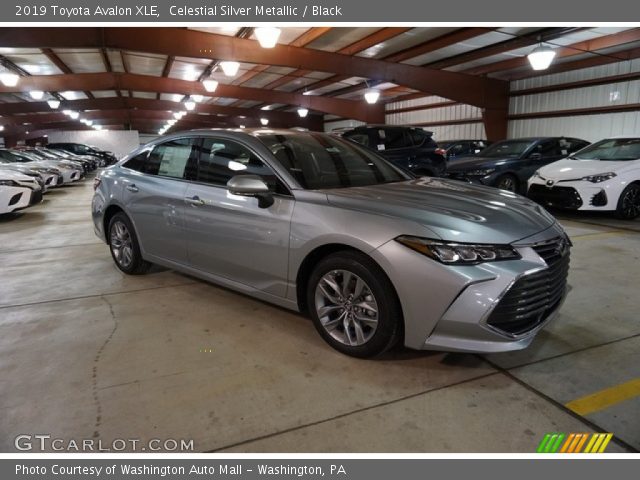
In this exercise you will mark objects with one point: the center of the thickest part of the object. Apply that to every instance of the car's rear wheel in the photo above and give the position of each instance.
(124, 246)
(629, 203)
(507, 182)
(353, 305)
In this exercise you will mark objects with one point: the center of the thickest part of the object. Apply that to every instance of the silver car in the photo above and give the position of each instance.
(323, 226)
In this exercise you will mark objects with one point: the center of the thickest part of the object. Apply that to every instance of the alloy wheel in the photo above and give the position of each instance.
(631, 203)
(121, 244)
(507, 183)
(346, 307)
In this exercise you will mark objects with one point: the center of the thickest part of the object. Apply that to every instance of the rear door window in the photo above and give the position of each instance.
(173, 159)
(393, 138)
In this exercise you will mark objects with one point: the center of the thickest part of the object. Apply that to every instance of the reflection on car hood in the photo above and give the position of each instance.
(575, 169)
(8, 174)
(454, 210)
(474, 163)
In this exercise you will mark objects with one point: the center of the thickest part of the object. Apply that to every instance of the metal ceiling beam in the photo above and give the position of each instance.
(527, 40)
(145, 83)
(32, 112)
(481, 92)
(593, 61)
(63, 67)
(579, 48)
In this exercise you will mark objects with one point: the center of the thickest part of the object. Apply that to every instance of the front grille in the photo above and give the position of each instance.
(532, 298)
(559, 197)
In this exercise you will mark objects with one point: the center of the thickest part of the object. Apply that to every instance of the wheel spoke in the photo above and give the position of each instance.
(324, 311)
(346, 307)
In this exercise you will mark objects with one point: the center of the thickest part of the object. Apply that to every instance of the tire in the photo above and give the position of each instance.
(124, 246)
(367, 334)
(628, 206)
(507, 182)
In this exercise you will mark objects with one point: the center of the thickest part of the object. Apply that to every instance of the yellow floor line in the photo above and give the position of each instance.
(605, 398)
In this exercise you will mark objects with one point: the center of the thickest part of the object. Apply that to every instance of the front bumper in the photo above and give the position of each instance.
(452, 308)
(574, 195)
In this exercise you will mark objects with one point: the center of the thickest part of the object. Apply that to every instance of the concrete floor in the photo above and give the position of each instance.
(86, 352)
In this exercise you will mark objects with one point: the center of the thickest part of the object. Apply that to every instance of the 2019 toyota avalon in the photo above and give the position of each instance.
(318, 224)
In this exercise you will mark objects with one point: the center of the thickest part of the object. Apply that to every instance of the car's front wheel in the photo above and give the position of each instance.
(629, 203)
(124, 246)
(507, 182)
(353, 305)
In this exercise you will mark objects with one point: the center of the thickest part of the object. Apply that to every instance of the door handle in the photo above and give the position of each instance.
(195, 201)
(132, 188)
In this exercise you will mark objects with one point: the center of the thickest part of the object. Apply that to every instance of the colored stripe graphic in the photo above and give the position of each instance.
(574, 443)
(605, 398)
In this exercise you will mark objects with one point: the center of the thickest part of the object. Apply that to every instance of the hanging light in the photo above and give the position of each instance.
(1, 128)
(241, 126)
(97, 127)
(372, 95)
(89, 122)
(74, 115)
(264, 121)
(172, 121)
(210, 85)
(190, 105)
(302, 112)
(36, 94)
(230, 69)
(9, 79)
(267, 36)
(53, 103)
(197, 98)
(541, 57)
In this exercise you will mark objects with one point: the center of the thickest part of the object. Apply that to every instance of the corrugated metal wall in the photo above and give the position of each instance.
(590, 127)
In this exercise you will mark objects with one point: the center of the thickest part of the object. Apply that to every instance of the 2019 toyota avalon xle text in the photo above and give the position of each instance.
(322, 225)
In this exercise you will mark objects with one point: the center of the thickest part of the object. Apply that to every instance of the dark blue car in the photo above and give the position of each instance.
(509, 164)
(410, 148)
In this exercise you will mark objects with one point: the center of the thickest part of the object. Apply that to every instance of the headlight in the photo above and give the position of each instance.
(459, 253)
(481, 172)
(601, 177)
(536, 174)
(8, 183)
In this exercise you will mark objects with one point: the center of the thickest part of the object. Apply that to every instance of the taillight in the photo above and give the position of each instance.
(441, 151)
(96, 183)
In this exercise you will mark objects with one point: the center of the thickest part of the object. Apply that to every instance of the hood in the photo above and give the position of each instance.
(575, 169)
(475, 162)
(455, 211)
(8, 174)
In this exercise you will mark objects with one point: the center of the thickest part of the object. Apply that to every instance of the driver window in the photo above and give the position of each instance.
(222, 159)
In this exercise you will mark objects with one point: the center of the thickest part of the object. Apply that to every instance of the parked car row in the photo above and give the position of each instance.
(604, 176)
(28, 173)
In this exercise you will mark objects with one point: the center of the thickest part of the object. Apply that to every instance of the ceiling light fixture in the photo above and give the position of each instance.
(302, 112)
(53, 103)
(9, 79)
(1, 128)
(210, 85)
(197, 98)
(230, 69)
(190, 105)
(267, 36)
(372, 95)
(36, 94)
(74, 115)
(264, 121)
(541, 57)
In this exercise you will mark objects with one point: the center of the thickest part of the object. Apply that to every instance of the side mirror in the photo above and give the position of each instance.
(251, 186)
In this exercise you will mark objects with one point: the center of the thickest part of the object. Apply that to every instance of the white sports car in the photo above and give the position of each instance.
(603, 176)
(17, 191)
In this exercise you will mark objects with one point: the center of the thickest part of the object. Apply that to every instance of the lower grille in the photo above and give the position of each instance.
(559, 197)
(532, 298)
(15, 199)
(60, 180)
(599, 199)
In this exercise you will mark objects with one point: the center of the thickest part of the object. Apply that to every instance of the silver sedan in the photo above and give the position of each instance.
(323, 226)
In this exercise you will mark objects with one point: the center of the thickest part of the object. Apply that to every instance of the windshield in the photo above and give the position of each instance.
(507, 148)
(26, 156)
(616, 149)
(319, 161)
